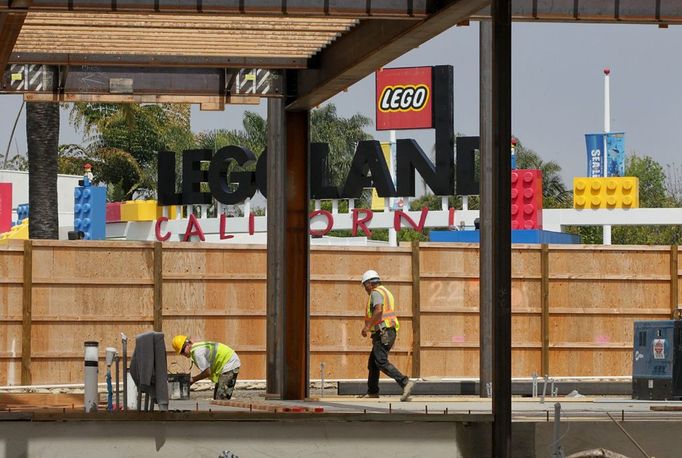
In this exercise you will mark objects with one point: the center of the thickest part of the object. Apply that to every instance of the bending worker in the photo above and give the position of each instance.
(214, 360)
(382, 321)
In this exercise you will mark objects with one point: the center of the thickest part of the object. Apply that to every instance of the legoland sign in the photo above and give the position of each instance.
(406, 98)
(415, 95)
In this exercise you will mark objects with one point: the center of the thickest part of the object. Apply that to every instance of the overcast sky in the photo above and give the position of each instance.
(557, 91)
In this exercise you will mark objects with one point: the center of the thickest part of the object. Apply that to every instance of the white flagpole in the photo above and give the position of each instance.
(607, 129)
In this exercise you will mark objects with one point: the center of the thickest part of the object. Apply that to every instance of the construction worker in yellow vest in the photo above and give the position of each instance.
(214, 360)
(382, 322)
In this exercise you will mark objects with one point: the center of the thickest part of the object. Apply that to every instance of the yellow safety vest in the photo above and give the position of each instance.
(388, 316)
(219, 355)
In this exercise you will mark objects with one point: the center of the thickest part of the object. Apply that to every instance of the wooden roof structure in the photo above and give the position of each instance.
(326, 45)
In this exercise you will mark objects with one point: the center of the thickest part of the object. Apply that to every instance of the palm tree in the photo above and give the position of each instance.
(554, 191)
(42, 133)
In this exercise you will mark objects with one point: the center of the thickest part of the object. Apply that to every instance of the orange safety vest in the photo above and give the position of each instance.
(388, 316)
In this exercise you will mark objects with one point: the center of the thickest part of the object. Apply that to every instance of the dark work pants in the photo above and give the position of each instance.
(378, 361)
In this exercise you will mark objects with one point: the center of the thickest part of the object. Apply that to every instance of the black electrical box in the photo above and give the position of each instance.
(657, 360)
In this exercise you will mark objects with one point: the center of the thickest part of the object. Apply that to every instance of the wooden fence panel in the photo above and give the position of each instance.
(11, 293)
(95, 290)
(595, 295)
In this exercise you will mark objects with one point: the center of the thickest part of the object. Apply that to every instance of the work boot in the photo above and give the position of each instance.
(407, 389)
(369, 395)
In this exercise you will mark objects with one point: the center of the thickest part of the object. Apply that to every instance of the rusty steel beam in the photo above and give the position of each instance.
(369, 46)
(346, 8)
(602, 11)
(143, 60)
(296, 323)
(47, 82)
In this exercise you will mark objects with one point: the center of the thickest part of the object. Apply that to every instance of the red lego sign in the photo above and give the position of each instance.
(404, 98)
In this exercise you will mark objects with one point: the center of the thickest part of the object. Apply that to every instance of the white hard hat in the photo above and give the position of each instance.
(370, 275)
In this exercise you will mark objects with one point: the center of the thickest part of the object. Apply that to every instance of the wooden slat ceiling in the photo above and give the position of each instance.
(178, 35)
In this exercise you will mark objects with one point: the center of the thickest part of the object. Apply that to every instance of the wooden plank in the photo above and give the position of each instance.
(266, 406)
(416, 318)
(544, 299)
(674, 285)
(158, 287)
(26, 314)
(40, 399)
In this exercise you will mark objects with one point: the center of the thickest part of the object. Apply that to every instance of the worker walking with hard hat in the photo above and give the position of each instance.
(214, 360)
(382, 322)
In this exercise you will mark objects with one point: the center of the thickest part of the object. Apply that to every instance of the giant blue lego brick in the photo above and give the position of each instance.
(518, 236)
(89, 211)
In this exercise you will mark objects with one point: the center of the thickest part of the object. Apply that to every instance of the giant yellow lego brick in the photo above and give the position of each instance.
(610, 192)
(138, 210)
(18, 232)
(143, 210)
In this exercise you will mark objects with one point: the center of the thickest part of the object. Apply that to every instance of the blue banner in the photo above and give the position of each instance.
(615, 147)
(595, 155)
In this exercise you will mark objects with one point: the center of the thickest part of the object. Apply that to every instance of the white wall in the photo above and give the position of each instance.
(65, 187)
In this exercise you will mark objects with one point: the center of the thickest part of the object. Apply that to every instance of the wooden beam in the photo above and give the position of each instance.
(27, 311)
(544, 304)
(10, 26)
(158, 287)
(370, 46)
(416, 311)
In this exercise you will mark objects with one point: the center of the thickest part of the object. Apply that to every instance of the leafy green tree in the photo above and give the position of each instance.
(652, 194)
(18, 162)
(141, 130)
(342, 135)
(253, 136)
(123, 142)
(117, 168)
(554, 192)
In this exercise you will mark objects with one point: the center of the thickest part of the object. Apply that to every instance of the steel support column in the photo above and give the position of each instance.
(297, 251)
(500, 243)
(276, 229)
(288, 253)
(487, 260)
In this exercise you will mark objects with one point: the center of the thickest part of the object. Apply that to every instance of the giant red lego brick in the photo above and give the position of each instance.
(5, 207)
(526, 199)
(113, 212)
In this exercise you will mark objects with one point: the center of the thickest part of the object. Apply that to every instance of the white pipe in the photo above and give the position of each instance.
(91, 366)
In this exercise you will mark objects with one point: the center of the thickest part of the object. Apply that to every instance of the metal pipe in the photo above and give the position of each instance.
(322, 379)
(118, 399)
(535, 385)
(551, 389)
(557, 451)
(124, 348)
(544, 391)
(91, 369)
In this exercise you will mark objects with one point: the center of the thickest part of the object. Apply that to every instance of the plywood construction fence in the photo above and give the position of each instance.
(573, 307)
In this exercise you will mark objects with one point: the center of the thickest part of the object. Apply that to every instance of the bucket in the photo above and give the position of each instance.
(178, 386)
